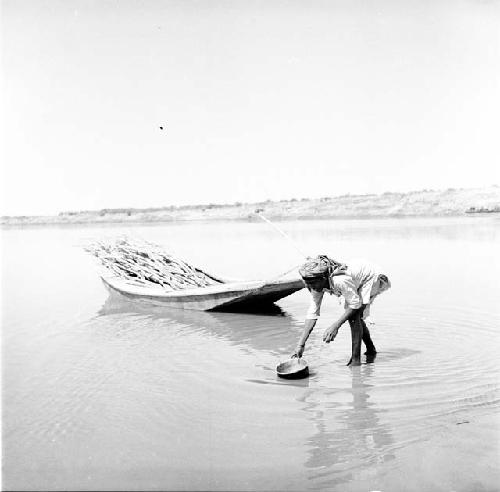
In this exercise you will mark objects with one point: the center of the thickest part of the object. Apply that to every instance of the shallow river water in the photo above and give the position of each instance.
(100, 392)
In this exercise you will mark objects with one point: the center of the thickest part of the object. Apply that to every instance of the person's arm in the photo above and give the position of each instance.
(332, 331)
(352, 302)
(309, 324)
(311, 317)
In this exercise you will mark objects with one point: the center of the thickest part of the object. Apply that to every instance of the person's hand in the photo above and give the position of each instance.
(330, 333)
(298, 352)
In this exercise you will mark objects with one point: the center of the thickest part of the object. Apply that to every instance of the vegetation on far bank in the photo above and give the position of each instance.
(389, 204)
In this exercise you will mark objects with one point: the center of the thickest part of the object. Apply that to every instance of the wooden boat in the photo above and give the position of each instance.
(227, 295)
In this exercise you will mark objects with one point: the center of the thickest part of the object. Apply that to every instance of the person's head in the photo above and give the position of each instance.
(317, 284)
(315, 273)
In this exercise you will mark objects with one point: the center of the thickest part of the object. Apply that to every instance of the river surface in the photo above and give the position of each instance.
(100, 392)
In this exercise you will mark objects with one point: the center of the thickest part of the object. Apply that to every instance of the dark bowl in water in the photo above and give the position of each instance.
(293, 369)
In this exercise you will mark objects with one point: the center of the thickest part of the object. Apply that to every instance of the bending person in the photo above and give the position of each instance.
(359, 282)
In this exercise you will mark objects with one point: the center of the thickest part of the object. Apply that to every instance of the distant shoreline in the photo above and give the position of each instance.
(21, 224)
(425, 203)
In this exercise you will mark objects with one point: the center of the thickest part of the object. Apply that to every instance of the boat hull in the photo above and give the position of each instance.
(225, 296)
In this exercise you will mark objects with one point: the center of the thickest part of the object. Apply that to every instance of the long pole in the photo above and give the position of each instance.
(283, 233)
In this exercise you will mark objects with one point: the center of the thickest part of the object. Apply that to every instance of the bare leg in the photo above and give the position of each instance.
(356, 337)
(367, 340)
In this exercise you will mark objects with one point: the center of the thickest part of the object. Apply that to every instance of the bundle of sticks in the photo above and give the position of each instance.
(146, 263)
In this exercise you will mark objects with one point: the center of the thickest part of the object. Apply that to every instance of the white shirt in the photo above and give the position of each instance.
(358, 285)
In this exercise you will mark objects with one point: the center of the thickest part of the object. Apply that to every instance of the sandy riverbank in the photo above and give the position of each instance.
(418, 203)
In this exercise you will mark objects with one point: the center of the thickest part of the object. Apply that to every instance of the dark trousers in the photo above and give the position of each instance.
(360, 333)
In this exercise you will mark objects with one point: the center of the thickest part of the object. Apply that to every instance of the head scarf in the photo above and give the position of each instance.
(321, 267)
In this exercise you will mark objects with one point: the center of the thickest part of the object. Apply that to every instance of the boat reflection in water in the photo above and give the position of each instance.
(266, 328)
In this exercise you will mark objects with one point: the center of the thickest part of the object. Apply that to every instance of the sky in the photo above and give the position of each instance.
(258, 100)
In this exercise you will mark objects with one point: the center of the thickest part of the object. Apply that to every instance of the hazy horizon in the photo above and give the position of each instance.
(239, 203)
(258, 100)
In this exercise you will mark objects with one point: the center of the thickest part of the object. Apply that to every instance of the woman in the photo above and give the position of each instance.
(359, 282)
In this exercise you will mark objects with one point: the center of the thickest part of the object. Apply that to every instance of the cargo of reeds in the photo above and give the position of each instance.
(145, 263)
